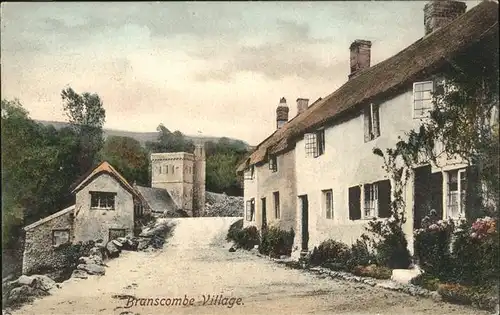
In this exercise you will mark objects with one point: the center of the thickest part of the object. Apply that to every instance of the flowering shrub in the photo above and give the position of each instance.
(276, 242)
(460, 294)
(330, 252)
(432, 247)
(483, 227)
(389, 242)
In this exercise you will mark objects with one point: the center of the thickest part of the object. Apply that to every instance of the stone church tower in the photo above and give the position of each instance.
(183, 176)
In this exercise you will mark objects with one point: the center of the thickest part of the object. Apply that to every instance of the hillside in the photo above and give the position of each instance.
(142, 137)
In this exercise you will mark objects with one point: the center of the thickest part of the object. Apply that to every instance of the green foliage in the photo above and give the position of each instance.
(245, 238)
(433, 248)
(330, 252)
(234, 229)
(373, 271)
(336, 255)
(276, 242)
(459, 294)
(170, 142)
(389, 242)
(86, 116)
(128, 157)
(426, 281)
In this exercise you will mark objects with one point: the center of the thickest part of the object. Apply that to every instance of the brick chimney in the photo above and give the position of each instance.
(438, 13)
(281, 113)
(360, 55)
(302, 104)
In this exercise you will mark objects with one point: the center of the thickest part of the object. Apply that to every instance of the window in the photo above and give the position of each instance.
(315, 143)
(276, 196)
(250, 173)
(60, 237)
(173, 169)
(158, 169)
(138, 209)
(372, 122)
(250, 210)
(422, 98)
(371, 201)
(328, 203)
(166, 169)
(273, 163)
(102, 200)
(116, 233)
(457, 184)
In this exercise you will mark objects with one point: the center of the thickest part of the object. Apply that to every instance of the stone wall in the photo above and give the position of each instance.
(92, 224)
(39, 254)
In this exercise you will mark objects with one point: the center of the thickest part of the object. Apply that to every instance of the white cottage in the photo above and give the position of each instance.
(326, 172)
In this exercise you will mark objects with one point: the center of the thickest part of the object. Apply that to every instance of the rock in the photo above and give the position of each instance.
(113, 250)
(91, 260)
(92, 269)
(97, 252)
(24, 280)
(77, 273)
(117, 243)
(143, 243)
(283, 257)
(21, 294)
(122, 240)
(43, 283)
(232, 250)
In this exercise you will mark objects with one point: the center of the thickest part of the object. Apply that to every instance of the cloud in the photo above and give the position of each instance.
(290, 52)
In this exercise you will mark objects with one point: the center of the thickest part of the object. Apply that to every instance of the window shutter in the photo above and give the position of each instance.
(366, 115)
(473, 193)
(384, 199)
(355, 203)
(376, 121)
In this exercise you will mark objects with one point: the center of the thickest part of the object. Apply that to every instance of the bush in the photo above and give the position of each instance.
(426, 281)
(374, 271)
(359, 255)
(389, 243)
(276, 242)
(245, 238)
(432, 248)
(330, 252)
(459, 294)
(232, 234)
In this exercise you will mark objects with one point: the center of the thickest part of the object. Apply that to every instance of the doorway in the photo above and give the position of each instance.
(304, 204)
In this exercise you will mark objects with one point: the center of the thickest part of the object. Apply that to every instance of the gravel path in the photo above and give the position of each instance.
(196, 262)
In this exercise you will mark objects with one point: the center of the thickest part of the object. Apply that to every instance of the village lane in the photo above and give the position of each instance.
(196, 262)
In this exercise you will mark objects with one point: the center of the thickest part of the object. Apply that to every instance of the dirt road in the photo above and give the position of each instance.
(196, 263)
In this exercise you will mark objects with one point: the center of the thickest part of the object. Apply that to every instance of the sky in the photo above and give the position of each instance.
(219, 68)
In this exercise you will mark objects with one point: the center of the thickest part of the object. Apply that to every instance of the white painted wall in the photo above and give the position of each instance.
(348, 161)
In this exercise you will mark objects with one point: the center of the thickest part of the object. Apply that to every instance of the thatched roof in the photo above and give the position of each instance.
(414, 62)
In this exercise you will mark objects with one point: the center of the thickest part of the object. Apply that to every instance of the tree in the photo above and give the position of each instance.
(170, 142)
(86, 116)
(128, 157)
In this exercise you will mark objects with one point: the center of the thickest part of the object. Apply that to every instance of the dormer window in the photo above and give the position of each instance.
(273, 163)
(422, 99)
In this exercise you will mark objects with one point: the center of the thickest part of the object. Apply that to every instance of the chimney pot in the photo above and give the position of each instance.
(360, 55)
(282, 113)
(440, 13)
(302, 104)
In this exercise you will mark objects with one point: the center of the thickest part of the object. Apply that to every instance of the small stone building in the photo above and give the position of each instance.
(106, 207)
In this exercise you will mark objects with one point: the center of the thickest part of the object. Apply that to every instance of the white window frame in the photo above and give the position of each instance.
(101, 205)
(273, 163)
(370, 201)
(423, 99)
(314, 143)
(456, 200)
(372, 122)
(250, 173)
(57, 231)
(277, 207)
(328, 203)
